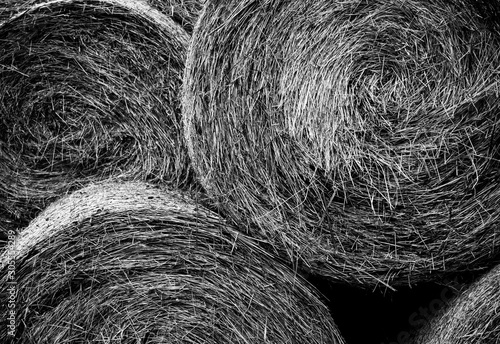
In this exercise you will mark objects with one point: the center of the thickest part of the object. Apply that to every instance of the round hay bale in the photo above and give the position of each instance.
(131, 263)
(472, 318)
(88, 90)
(361, 137)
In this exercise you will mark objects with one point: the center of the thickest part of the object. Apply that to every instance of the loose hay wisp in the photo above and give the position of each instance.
(130, 263)
(88, 90)
(473, 318)
(362, 137)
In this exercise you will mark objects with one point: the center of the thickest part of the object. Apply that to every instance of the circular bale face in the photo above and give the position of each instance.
(363, 138)
(131, 263)
(88, 90)
(472, 318)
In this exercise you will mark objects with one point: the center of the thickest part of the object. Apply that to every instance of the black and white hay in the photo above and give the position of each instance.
(184, 12)
(131, 263)
(472, 318)
(88, 90)
(362, 137)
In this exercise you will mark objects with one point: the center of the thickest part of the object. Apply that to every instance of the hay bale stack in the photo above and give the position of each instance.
(88, 90)
(362, 137)
(472, 318)
(131, 263)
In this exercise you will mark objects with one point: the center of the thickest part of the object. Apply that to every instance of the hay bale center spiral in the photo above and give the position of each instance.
(361, 137)
(89, 89)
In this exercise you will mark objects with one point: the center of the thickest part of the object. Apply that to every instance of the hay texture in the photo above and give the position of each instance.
(183, 12)
(130, 263)
(473, 318)
(88, 90)
(361, 137)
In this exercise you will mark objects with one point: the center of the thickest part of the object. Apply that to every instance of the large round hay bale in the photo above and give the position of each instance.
(362, 137)
(130, 263)
(472, 318)
(88, 90)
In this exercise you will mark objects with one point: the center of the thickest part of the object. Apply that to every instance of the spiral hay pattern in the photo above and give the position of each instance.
(362, 137)
(88, 90)
(473, 318)
(130, 263)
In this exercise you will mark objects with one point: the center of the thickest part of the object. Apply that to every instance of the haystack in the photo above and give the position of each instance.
(361, 137)
(473, 318)
(130, 263)
(88, 90)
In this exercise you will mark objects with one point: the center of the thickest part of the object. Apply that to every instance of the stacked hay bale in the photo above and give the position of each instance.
(130, 263)
(88, 90)
(361, 137)
(472, 318)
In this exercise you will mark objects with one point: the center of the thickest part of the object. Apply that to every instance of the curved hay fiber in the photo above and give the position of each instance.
(184, 12)
(363, 137)
(131, 263)
(88, 89)
(473, 318)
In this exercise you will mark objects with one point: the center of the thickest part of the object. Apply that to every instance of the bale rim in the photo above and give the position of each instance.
(472, 318)
(88, 90)
(183, 12)
(133, 263)
(363, 138)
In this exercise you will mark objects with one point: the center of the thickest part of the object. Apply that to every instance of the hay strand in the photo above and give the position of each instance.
(88, 90)
(361, 137)
(183, 12)
(131, 263)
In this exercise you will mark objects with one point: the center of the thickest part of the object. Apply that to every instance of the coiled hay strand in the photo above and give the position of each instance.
(362, 137)
(88, 90)
(131, 263)
(472, 318)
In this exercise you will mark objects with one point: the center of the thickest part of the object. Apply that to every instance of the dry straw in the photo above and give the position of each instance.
(130, 263)
(88, 90)
(362, 137)
(473, 318)
(184, 12)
